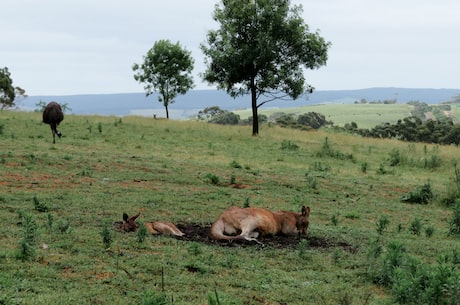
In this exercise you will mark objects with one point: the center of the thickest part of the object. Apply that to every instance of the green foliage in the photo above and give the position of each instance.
(106, 234)
(153, 298)
(382, 224)
(40, 206)
(141, 233)
(416, 226)
(454, 222)
(289, 145)
(166, 69)
(261, 47)
(420, 195)
(8, 92)
(235, 164)
(212, 179)
(27, 244)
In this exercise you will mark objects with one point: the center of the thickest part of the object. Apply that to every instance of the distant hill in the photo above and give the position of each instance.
(188, 105)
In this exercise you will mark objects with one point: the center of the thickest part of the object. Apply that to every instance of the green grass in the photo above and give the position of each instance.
(162, 168)
(365, 115)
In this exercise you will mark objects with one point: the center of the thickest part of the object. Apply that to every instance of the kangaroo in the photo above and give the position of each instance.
(237, 223)
(155, 228)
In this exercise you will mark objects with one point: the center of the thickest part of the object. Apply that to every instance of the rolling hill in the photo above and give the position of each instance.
(188, 105)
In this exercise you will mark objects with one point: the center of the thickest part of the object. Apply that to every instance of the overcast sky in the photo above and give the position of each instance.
(56, 47)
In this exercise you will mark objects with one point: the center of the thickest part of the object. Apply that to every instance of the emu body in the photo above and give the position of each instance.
(53, 115)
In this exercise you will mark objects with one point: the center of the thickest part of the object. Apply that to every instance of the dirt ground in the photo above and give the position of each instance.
(200, 233)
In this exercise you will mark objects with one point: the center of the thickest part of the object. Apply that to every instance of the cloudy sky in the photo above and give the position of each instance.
(55, 47)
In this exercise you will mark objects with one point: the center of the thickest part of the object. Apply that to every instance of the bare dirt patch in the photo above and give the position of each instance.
(200, 233)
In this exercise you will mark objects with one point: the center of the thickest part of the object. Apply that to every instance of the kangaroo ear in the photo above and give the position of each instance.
(133, 218)
(305, 211)
(125, 217)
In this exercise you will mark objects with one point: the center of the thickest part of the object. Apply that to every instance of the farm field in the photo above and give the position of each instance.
(365, 115)
(63, 199)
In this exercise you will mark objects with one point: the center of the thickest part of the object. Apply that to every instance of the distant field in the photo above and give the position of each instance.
(365, 115)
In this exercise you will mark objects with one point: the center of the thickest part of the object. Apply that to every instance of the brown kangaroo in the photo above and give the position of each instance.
(250, 222)
(155, 228)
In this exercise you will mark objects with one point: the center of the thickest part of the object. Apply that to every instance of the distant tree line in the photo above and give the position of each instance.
(426, 124)
(310, 120)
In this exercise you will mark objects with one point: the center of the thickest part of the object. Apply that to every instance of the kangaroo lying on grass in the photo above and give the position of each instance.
(250, 222)
(155, 228)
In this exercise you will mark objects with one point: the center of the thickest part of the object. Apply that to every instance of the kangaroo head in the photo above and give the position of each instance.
(129, 223)
(302, 220)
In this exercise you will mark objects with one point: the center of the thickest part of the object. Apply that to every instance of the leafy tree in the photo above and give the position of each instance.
(261, 48)
(8, 93)
(166, 70)
(209, 113)
(216, 115)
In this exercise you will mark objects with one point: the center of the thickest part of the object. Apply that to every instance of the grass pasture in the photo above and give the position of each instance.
(64, 196)
(365, 115)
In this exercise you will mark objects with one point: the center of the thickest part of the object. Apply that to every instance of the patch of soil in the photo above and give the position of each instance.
(200, 233)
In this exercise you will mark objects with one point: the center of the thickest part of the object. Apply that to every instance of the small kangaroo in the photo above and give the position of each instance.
(154, 227)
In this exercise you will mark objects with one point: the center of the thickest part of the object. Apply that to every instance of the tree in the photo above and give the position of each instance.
(8, 93)
(166, 70)
(261, 48)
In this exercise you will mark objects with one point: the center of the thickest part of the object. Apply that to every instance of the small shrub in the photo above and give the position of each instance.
(394, 258)
(141, 233)
(152, 298)
(99, 127)
(212, 179)
(364, 167)
(420, 195)
(29, 237)
(50, 221)
(382, 224)
(334, 220)
(416, 226)
(429, 231)
(395, 157)
(288, 145)
(63, 226)
(312, 181)
(454, 223)
(302, 248)
(39, 206)
(106, 235)
(235, 164)
(246, 202)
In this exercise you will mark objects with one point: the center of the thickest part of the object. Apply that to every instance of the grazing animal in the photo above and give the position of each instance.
(53, 115)
(238, 223)
(155, 228)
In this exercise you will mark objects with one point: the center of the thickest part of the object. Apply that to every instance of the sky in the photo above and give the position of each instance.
(55, 47)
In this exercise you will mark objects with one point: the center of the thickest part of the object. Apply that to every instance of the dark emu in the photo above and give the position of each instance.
(53, 115)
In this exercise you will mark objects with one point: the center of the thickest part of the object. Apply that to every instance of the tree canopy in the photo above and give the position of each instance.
(8, 92)
(262, 47)
(166, 69)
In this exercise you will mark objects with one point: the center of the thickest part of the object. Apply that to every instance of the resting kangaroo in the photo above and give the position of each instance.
(155, 228)
(250, 222)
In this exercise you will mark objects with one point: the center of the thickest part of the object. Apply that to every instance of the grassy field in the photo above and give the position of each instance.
(365, 115)
(60, 198)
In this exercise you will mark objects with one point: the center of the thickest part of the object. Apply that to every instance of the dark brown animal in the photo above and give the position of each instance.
(238, 223)
(53, 115)
(155, 228)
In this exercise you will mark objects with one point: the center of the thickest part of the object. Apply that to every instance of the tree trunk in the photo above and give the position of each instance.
(167, 112)
(255, 116)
